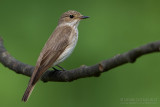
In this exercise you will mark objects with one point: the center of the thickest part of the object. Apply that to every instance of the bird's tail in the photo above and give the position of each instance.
(28, 92)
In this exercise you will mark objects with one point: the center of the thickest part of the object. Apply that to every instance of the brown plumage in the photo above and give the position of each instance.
(58, 47)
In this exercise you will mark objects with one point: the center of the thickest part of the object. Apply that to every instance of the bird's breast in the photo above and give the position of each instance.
(69, 49)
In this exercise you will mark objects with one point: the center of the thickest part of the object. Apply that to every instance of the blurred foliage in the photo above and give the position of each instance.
(114, 27)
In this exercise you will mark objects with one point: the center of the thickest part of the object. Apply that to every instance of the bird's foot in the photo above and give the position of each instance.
(61, 68)
(55, 69)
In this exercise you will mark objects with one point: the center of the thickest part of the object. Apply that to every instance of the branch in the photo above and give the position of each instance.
(84, 71)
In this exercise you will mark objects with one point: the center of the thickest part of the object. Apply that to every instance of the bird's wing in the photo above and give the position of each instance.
(53, 48)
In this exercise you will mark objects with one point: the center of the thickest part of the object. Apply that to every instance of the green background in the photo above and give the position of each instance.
(114, 27)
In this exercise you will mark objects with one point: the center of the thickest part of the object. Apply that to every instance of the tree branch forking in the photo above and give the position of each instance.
(84, 71)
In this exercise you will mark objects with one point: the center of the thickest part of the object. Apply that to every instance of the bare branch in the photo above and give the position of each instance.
(84, 71)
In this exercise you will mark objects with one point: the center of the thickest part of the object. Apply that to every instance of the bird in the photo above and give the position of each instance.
(58, 47)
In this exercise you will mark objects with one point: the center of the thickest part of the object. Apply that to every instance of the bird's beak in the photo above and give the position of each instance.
(84, 17)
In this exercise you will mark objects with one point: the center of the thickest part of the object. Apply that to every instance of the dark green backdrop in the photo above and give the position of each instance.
(114, 27)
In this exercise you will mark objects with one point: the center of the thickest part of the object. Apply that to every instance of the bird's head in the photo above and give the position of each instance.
(71, 17)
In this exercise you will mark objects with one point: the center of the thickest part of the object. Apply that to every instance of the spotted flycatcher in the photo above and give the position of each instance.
(58, 47)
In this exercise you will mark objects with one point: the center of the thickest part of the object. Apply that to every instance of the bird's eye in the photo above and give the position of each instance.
(71, 16)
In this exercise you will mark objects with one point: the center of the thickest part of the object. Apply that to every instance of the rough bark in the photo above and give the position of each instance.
(83, 71)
